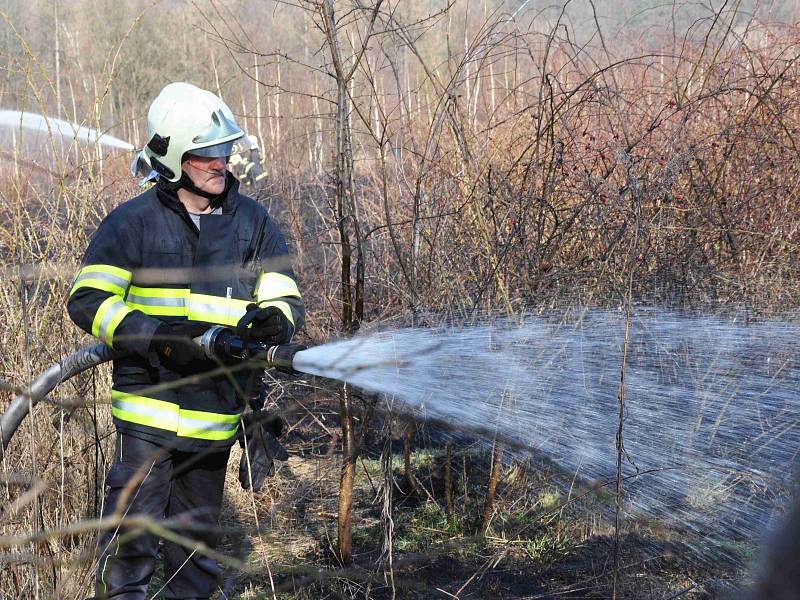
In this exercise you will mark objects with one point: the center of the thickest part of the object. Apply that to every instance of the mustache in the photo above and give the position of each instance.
(215, 172)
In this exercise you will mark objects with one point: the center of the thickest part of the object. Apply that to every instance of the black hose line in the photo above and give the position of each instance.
(218, 341)
(77, 362)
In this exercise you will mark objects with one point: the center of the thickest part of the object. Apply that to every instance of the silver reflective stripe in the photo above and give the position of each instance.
(207, 425)
(155, 301)
(222, 307)
(170, 418)
(207, 307)
(98, 275)
(112, 311)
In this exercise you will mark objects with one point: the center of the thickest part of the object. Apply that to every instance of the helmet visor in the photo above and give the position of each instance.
(222, 150)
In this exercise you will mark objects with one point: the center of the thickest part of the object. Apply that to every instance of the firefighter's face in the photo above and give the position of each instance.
(206, 173)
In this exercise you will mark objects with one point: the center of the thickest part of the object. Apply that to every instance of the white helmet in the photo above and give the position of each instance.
(253, 142)
(186, 119)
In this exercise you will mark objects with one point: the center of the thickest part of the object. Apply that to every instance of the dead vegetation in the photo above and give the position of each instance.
(427, 161)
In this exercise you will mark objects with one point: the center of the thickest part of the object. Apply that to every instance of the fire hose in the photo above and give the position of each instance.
(218, 343)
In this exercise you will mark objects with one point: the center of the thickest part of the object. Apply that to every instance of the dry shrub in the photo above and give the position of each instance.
(520, 171)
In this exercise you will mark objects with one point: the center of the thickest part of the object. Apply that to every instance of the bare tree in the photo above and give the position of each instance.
(349, 227)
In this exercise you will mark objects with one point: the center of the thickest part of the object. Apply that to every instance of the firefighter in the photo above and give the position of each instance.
(246, 162)
(189, 253)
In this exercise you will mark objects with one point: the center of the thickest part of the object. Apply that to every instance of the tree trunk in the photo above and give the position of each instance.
(448, 483)
(411, 481)
(491, 488)
(347, 218)
(347, 478)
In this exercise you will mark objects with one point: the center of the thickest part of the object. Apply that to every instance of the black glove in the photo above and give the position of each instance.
(176, 349)
(262, 429)
(264, 324)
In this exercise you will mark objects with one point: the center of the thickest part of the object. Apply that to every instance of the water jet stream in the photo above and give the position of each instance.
(64, 129)
(712, 417)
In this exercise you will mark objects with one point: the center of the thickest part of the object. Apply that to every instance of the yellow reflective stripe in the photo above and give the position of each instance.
(164, 302)
(275, 285)
(180, 302)
(107, 278)
(213, 309)
(216, 319)
(139, 419)
(204, 434)
(151, 292)
(200, 415)
(108, 317)
(159, 311)
(145, 401)
(284, 306)
(207, 426)
(97, 284)
(145, 411)
(109, 269)
(170, 417)
(261, 176)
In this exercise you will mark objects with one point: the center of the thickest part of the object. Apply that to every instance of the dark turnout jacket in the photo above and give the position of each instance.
(146, 264)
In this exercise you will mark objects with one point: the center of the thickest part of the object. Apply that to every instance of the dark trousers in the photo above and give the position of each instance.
(148, 480)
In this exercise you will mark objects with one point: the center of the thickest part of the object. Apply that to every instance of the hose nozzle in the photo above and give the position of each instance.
(221, 343)
(282, 357)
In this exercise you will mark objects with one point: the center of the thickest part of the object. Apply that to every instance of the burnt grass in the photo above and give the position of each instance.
(550, 535)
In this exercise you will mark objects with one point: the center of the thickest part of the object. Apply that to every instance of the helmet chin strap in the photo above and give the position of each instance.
(186, 183)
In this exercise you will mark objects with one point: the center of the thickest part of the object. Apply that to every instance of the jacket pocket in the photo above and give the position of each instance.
(134, 459)
(125, 376)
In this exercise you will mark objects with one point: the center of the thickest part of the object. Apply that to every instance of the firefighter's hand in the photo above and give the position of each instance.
(261, 447)
(175, 347)
(264, 324)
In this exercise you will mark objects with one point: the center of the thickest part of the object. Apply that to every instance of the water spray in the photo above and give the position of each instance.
(712, 423)
(47, 125)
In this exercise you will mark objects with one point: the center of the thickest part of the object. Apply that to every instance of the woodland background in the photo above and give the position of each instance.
(427, 160)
